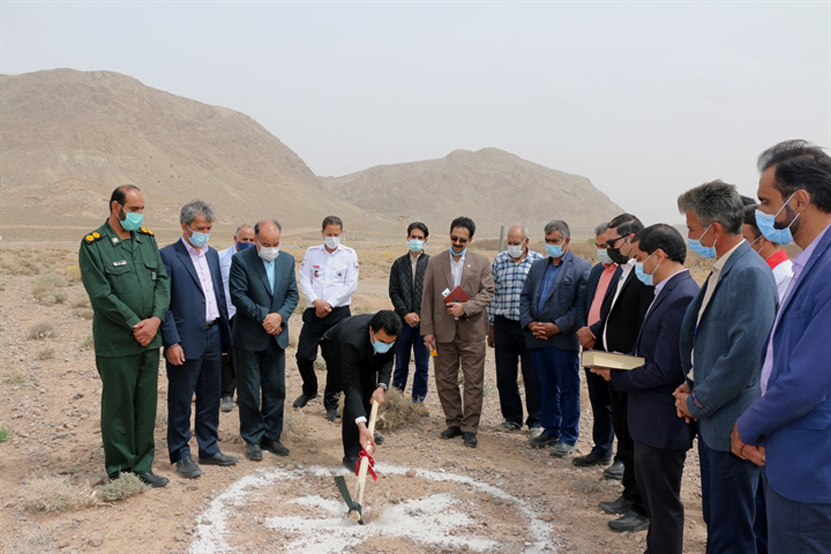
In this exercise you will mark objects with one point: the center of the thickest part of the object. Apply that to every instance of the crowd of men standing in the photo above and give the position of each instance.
(741, 362)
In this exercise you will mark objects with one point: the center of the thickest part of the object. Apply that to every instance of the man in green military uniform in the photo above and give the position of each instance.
(129, 291)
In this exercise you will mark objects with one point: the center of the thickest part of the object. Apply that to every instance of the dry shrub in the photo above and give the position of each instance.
(48, 295)
(14, 377)
(73, 273)
(32, 540)
(294, 422)
(399, 412)
(81, 302)
(46, 354)
(127, 485)
(52, 280)
(83, 313)
(87, 343)
(41, 331)
(24, 266)
(54, 494)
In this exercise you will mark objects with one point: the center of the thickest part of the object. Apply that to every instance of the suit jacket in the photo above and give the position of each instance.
(405, 292)
(184, 322)
(477, 282)
(350, 351)
(651, 413)
(728, 342)
(793, 418)
(565, 305)
(591, 288)
(622, 321)
(254, 299)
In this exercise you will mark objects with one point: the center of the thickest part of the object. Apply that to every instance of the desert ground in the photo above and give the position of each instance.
(431, 495)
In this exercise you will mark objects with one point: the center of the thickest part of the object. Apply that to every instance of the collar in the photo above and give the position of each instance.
(461, 259)
(802, 259)
(719, 264)
(192, 251)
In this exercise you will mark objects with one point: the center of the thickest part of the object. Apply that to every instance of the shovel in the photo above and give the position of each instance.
(355, 513)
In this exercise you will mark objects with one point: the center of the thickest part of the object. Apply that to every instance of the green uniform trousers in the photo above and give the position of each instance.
(128, 410)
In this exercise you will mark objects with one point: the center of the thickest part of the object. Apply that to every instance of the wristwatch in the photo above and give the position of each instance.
(383, 386)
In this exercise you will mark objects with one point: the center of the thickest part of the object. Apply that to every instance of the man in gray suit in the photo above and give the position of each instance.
(722, 336)
(264, 290)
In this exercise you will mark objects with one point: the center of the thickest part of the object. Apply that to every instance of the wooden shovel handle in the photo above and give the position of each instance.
(359, 489)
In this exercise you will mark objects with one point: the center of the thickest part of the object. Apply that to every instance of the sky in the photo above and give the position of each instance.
(646, 99)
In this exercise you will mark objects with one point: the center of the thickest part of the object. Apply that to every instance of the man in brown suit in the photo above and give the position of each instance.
(457, 330)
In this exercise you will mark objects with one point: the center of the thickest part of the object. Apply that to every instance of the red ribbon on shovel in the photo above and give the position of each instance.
(371, 462)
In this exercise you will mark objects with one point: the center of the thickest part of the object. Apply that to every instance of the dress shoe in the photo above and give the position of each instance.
(451, 432)
(153, 480)
(227, 404)
(536, 432)
(561, 450)
(275, 447)
(253, 452)
(470, 439)
(218, 460)
(350, 463)
(591, 459)
(302, 400)
(332, 414)
(508, 426)
(187, 468)
(632, 521)
(619, 506)
(542, 440)
(379, 439)
(614, 471)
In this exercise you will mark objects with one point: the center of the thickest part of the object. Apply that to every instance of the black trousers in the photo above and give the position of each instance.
(625, 452)
(313, 329)
(229, 376)
(261, 392)
(510, 351)
(603, 430)
(658, 472)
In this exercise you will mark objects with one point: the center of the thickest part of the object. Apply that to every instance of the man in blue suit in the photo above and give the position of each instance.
(552, 306)
(264, 290)
(788, 429)
(722, 336)
(195, 334)
(661, 439)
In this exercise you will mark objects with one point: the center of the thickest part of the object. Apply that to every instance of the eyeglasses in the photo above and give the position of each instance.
(460, 240)
(611, 242)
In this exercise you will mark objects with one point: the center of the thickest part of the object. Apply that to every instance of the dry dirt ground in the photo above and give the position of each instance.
(500, 497)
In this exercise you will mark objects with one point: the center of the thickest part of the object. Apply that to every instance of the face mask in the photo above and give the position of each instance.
(554, 250)
(767, 225)
(645, 278)
(515, 250)
(269, 253)
(415, 245)
(603, 256)
(700, 249)
(616, 256)
(198, 239)
(381, 347)
(243, 245)
(132, 220)
(331, 242)
(452, 253)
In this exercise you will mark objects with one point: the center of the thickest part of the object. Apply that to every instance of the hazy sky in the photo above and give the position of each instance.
(647, 99)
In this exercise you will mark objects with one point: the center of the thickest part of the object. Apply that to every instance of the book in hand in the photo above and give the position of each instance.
(457, 295)
(611, 360)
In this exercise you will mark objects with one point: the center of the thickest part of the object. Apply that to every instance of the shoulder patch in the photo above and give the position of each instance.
(92, 237)
(146, 231)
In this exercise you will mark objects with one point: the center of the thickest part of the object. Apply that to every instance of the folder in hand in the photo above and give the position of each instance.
(456, 295)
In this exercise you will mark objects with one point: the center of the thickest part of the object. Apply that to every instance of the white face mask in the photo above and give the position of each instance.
(331, 242)
(269, 253)
(515, 250)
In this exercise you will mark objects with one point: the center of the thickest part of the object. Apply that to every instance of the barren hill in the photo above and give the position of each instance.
(67, 138)
(491, 186)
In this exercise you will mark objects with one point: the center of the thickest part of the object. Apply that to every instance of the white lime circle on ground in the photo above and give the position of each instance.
(432, 519)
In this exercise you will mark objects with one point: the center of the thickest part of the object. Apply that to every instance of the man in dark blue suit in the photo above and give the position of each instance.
(264, 290)
(660, 438)
(195, 334)
(722, 336)
(552, 306)
(788, 429)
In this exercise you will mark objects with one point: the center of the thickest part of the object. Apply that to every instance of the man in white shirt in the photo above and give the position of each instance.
(328, 279)
(243, 238)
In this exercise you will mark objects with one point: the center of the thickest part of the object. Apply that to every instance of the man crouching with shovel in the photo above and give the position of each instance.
(359, 349)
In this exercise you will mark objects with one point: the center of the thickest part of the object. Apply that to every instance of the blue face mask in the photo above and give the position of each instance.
(132, 220)
(645, 278)
(415, 245)
(603, 256)
(700, 249)
(381, 347)
(767, 225)
(554, 250)
(243, 245)
(198, 239)
(452, 253)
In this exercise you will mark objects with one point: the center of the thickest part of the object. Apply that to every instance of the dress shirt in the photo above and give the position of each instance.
(782, 272)
(798, 266)
(269, 272)
(712, 279)
(600, 292)
(332, 277)
(626, 269)
(456, 268)
(200, 263)
(548, 279)
(414, 264)
(660, 286)
(225, 269)
(508, 278)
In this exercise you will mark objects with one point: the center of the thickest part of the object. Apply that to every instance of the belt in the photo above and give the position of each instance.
(210, 324)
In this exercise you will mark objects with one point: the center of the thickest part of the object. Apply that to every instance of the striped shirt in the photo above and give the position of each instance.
(508, 279)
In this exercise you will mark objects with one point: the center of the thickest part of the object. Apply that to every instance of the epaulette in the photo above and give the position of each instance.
(146, 231)
(92, 237)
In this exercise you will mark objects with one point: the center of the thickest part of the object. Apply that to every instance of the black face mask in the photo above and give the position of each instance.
(616, 256)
